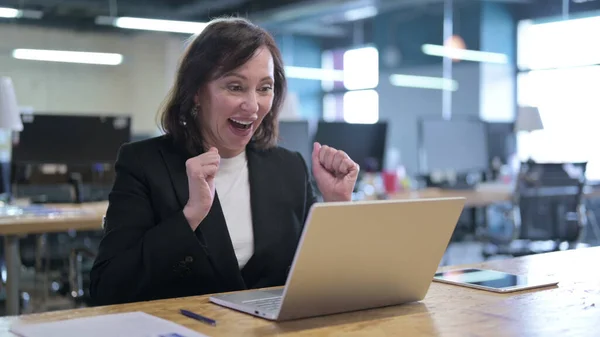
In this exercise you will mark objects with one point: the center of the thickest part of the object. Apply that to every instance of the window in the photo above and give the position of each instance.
(361, 68)
(356, 106)
(569, 106)
(354, 99)
(559, 44)
(561, 60)
(361, 107)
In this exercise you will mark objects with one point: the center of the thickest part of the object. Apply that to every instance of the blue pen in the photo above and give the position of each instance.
(197, 317)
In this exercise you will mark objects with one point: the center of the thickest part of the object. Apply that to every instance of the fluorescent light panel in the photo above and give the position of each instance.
(6, 12)
(185, 27)
(423, 82)
(68, 56)
(464, 54)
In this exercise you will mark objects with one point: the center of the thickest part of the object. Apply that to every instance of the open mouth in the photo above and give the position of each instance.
(242, 125)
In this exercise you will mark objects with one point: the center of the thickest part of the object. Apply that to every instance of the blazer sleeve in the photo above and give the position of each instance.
(137, 254)
(309, 192)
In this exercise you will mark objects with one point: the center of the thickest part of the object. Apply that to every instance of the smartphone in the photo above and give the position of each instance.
(492, 280)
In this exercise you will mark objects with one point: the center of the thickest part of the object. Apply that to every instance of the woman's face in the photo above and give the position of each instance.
(233, 106)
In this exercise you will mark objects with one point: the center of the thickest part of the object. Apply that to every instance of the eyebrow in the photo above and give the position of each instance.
(244, 77)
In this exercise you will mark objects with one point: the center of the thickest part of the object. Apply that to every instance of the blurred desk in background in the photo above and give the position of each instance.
(37, 219)
(479, 197)
(16, 221)
(474, 198)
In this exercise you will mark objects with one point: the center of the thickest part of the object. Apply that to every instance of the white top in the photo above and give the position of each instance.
(233, 188)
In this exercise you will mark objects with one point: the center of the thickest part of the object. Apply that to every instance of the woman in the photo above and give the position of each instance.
(213, 205)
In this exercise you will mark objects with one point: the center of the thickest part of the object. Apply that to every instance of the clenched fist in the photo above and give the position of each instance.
(334, 172)
(201, 171)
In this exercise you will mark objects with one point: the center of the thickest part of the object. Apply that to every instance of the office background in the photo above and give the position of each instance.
(433, 91)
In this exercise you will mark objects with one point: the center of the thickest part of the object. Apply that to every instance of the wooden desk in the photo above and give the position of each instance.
(572, 308)
(37, 224)
(11, 227)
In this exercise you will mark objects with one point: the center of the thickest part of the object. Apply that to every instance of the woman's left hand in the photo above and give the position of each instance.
(334, 172)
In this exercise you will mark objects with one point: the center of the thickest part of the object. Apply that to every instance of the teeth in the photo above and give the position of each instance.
(241, 122)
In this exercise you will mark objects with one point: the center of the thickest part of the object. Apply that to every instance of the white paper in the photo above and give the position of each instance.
(131, 324)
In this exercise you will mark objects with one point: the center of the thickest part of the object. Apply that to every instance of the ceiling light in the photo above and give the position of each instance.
(314, 73)
(423, 82)
(9, 12)
(464, 54)
(360, 13)
(186, 27)
(68, 56)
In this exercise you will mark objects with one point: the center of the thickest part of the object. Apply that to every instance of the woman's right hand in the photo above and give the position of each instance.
(201, 171)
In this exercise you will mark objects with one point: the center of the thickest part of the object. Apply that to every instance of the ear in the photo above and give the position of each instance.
(200, 95)
(197, 98)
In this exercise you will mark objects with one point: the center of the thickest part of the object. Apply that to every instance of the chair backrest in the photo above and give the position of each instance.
(549, 199)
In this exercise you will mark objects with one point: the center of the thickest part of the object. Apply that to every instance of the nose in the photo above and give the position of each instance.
(250, 103)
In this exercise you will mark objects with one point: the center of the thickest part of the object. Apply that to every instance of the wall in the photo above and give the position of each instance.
(498, 81)
(403, 107)
(408, 31)
(544, 9)
(485, 91)
(136, 87)
(301, 51)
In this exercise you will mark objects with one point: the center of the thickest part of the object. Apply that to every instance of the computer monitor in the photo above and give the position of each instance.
(364, 143)
(70, 139)
(295, 136)
(502, 140)
(458, 145)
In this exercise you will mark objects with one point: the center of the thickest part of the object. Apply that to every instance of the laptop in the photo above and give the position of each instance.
(357, 255)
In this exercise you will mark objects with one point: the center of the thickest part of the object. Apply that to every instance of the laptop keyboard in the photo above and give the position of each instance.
(266, 304)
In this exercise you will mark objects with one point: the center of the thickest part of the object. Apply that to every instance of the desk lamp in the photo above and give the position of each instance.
(528, 120)
(10, 120)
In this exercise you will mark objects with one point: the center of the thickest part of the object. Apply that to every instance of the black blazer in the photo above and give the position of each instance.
(150, 252)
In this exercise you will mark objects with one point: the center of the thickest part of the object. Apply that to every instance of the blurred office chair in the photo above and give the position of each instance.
(57, 265)
(546, 214)
(79, 270)
(81, 261)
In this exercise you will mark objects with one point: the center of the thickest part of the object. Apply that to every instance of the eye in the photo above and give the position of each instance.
(266, 88)
(235, 87)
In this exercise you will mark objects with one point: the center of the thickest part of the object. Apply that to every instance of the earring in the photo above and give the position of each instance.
(194, 111)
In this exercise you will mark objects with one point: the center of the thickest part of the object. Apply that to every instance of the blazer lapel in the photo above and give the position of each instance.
(175, 159)
(212, 232)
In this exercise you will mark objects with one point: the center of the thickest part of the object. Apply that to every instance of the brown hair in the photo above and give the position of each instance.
(224, 45)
